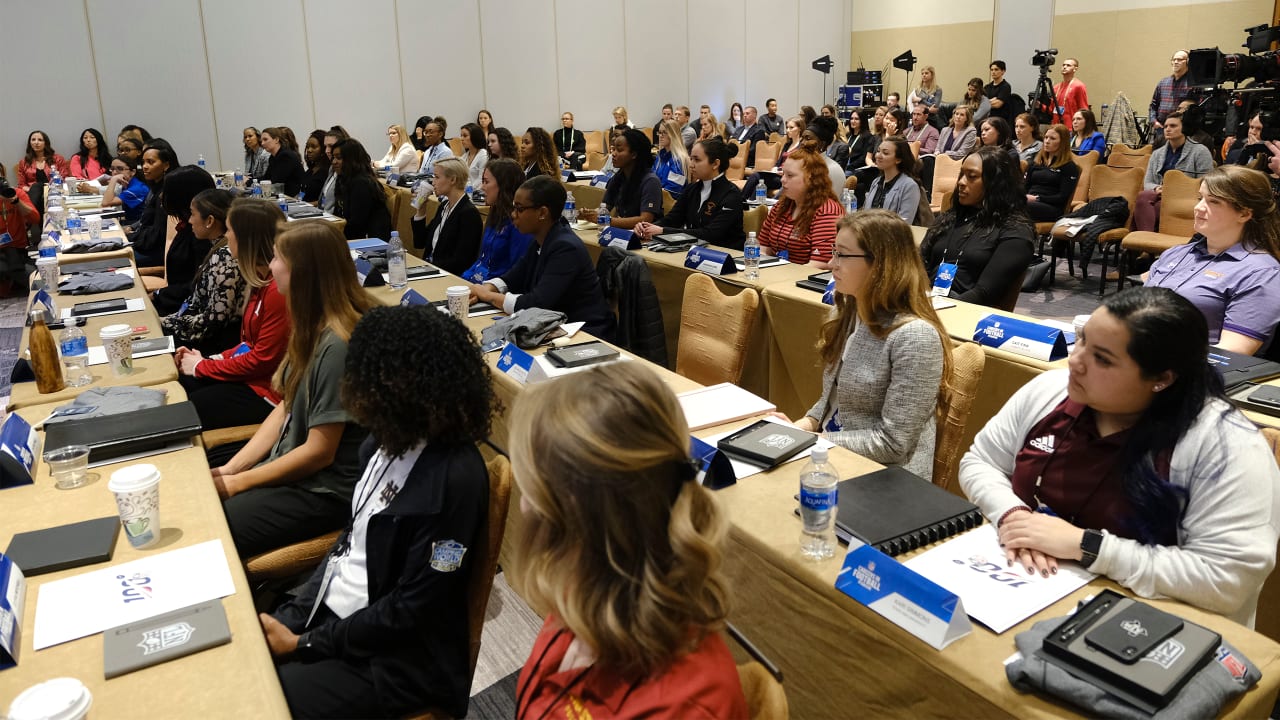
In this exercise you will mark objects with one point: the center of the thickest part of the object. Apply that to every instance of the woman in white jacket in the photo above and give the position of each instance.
(1134, 464)
(400, 155)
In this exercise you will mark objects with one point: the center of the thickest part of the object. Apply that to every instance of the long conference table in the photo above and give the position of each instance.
(788, 607)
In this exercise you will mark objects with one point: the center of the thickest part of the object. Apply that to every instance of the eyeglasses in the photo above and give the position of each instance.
(517, 209)
(835, 256)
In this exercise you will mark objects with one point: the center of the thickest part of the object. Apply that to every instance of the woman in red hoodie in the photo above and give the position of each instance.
(234, 387)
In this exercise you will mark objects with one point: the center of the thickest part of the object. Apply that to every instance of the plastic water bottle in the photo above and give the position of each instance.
(284, 204)
(751, 257)
(760, 194)
(396, 273)
(818, 498)
(48, 244)
(239, 178)
(75, 356)
(602, 217)
(256, 192)
(570, 209)
(74, 223)
(54, 190)
(850, 201)
(200, 163)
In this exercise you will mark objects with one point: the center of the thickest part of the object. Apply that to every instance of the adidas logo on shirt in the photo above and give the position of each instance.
(1044, 444)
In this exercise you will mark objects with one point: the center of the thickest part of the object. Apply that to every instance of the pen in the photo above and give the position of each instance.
(1075, 628)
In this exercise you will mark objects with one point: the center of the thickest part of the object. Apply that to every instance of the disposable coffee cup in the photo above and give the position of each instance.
(62, 698)
(137, 491)
(117, 340)
(266, 188)
(94, 223)
(49, 272)
(1077, 324)
(458, 297)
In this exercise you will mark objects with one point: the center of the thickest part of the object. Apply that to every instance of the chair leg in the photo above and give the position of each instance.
(1122, 267)
(1071, 258)
(1053, 258)
(1102, 278)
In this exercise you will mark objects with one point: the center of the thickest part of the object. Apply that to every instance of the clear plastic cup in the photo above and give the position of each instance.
(69, 466)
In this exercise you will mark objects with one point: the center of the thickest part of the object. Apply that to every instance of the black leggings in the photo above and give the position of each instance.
(224, 404)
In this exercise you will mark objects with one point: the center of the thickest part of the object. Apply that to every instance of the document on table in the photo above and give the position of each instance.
(995, 594)
(744, 469)
(141, 349)
(130, 305)
(94, 601)
(718, 404)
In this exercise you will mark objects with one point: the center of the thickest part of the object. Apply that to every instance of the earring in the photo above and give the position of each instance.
(1157, 388)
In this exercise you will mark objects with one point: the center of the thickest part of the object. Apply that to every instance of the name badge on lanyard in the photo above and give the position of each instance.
(943, 280)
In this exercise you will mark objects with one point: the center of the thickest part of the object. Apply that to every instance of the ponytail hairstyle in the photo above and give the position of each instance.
(1248, 189)
(717, 150)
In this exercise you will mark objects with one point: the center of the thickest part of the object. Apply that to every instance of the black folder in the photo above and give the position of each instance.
(896, 511)
(816, 282)
(766, 443)
(125, 433)
(1236, 368)
(65, 546)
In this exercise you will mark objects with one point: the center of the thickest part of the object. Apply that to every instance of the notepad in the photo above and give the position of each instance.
(65, 546)
(719, 404)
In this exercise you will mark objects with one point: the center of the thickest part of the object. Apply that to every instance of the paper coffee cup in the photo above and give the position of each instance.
(1077, 324)
(117, 340)
(57, 699)
(94, 224)
(458, 297)
(49, 272)
(137, 491)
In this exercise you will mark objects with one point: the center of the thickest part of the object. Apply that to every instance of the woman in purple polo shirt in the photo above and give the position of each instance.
(1231, 267)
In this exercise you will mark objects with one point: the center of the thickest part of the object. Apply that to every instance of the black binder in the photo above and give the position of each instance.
(816, 282)
(896, 511)
(125, 433)
(577, 355)
(766, 443)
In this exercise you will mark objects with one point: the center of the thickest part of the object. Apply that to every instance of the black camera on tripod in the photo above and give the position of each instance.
(1255, 85)
(1044, 58)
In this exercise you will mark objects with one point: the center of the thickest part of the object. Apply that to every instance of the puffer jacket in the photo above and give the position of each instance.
(628, 286)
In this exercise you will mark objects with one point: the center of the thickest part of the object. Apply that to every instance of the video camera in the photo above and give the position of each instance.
(7, 192)
(1044, 58)
(1227, 110)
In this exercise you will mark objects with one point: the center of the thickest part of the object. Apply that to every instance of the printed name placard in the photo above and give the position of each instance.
(515, 363)
(13, 593)
(902, 596)
(710, 261)
(17, 452)
(618, 238)
(413, 297)
(367, 274)
(716, 470)
(1022, 337)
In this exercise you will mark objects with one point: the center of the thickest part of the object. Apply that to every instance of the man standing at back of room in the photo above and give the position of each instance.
(1169, 92)
(1071, 93)
(750, 133)
(999, 92)
(771, 121)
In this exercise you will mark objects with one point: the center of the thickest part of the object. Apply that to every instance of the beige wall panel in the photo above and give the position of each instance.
(959, 52)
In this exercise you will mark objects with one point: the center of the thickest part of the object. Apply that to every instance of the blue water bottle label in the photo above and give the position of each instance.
(813, 499)
(751, 252)
(75, 346)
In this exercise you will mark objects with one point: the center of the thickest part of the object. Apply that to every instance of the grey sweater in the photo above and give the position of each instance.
(886, 393)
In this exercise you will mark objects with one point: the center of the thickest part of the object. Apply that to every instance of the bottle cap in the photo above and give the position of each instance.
(818, 455)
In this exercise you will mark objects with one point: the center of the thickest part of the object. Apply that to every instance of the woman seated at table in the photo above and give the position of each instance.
(39, 164)
(1230, 269)
(1026, 137)
(94, 159)
(538, 154)
(149, 232)
(859, 143)
(884, 352)
(130, 149)
(710, 209)
(671, 166)
(208, 318)
(620, 550)
(234, 387)
(293, 480)
(984, 242)
(401, 155)
(502, 144)
(124, 189)
(317, 168)
(452, 239)
(634, 193)
(359, 197)
(801, 226)
(284, 170)
(502, 244)
(555, 273)
(770, 176)
(711, 127)
(389, 637)
(474, 154)
(184, 250)
(896, 189)
(256, 157)
(1133, 463)
(1051, 177)
(1085, 137)
(995, 132)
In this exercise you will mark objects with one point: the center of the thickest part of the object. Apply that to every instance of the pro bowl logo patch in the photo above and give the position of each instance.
(779, 441)
(166, 637)
(446, 555)
(1232, 664)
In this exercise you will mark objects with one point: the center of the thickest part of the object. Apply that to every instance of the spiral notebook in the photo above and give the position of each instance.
(895, 511)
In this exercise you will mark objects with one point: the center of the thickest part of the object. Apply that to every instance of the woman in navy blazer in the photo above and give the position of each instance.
(710, 209)
(452, 238)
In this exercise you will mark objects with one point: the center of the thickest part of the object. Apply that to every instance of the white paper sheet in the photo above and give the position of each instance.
(94, 601)
(98, 353)
(745, 469)
(718, 404)
(973, 566)
(130, 305)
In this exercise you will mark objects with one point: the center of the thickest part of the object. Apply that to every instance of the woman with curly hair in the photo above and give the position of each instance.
(977, 250)
(801, 227)
(389, 633)
(294, 478)
(502, 144)
(621, 551)
(538, 154)
(38, 164)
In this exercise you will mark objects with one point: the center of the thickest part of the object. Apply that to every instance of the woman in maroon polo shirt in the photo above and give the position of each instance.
(1133, 463)
(621, 551)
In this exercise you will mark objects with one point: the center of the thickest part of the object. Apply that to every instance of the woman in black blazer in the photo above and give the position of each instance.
(358, 195)
(284, 169)
(452, 238)
(710, 209)
(859, 146)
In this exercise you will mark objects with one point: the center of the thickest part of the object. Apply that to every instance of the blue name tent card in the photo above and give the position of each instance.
(13, 593)
(716, 470)
(17, 452)
(902, 596)
(710, 261)
(1021, 337)
(619, 238)
(515, 363)
(367, 274)
(413, 297)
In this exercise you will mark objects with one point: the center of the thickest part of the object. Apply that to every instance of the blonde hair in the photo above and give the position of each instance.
(897, 290)
(404, 137)
(1063, 155)
(675, 143)
(454, 169)
(323, 294)
(619, 542)
(931, 85)
(620, 110)
(255, 224)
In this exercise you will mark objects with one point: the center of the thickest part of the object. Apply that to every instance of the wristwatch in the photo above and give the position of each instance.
(1090, 544)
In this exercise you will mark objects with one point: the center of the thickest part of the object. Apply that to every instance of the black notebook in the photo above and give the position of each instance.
(816, 282)
(99, 306)
(1236, 368)
(125, 433)
(587, 353)
(895, 511)
(65, 546)
(766, 443)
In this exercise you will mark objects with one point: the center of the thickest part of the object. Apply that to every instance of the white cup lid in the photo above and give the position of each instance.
(457, 290)
(57, 699)
(133, 478)
(115, 331)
